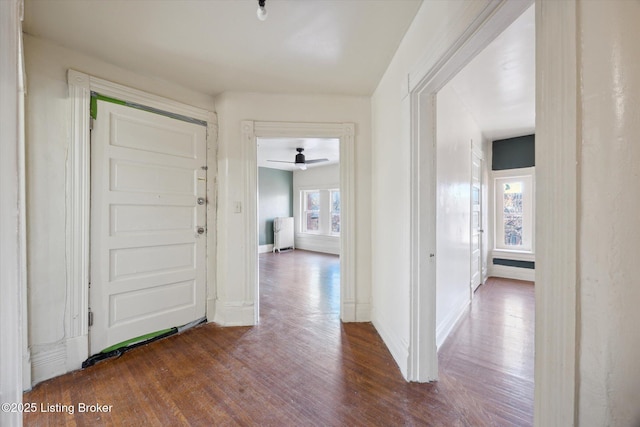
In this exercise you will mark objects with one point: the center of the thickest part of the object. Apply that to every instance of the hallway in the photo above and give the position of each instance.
(301, 366)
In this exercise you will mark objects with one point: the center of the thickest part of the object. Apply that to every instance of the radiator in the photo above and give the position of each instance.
(282, 234)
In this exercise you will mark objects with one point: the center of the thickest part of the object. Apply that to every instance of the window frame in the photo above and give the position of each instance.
(324, 212)
(527, 177)
(306, 210)
(332, 212)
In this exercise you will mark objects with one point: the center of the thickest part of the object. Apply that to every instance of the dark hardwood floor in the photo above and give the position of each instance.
(302, 367)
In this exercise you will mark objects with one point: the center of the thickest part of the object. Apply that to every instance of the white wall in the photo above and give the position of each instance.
(436, 27)
(234, 299)
(608, 269)
(48, 118)
(456, 128)
(322, 178)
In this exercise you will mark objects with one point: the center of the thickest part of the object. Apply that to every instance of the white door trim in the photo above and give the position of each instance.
(476, 152)
(12, 209)
(557, 198)
(78, 198)
(252, 130)
(480, 23)
(557, 123)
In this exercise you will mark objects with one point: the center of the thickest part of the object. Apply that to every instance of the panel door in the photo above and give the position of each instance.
(476, 221)
(147, 255)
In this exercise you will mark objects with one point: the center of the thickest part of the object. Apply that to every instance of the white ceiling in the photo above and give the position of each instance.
(498, 86)
(328, 46)
(284, 149)
(304, 46)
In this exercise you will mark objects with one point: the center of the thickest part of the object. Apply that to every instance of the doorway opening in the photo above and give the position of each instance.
(486, 121)
(340, 224)
(486, 116)
(429, 326)
(299, 210)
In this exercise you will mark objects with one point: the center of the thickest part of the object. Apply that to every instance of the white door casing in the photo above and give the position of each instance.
(480, 23)
(147, 257)
(351, 310)
(13, 282)
(476, 220)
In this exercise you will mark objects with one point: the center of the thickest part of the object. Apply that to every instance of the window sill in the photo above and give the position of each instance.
(307, 234)
(513, 255)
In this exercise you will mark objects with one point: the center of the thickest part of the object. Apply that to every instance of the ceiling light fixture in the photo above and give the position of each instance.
(302, 167)
(261, 12)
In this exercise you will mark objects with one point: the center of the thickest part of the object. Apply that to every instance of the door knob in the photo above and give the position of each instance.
(200, 230)
(201, 200)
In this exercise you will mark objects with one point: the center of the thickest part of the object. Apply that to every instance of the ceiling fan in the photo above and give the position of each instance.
(300, 161)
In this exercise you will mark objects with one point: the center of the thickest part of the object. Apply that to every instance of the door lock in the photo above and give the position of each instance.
(201, 201)
(200, 230)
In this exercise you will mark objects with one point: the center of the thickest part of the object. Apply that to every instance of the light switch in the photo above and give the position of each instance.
(238, 207)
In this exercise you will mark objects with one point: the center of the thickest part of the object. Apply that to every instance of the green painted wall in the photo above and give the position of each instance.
(275, 199)
(514, 153)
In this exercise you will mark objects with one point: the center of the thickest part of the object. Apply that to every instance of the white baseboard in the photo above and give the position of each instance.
(26, 370)
(77, 352)
(263, 249)
(399, 350)
(355, 312)
(48, 362)
(234, 313)
(515, 273)
(211, 309)
(348, 312)
(446, 326)
(363, 312)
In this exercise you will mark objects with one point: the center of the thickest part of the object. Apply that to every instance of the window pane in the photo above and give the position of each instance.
(475, 196)
(335, 223)
(312, 221)
(512, 213)
(335, 201)
(313, 201)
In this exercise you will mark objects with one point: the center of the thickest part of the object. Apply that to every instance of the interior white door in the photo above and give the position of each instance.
(148, 230)
(476, 220)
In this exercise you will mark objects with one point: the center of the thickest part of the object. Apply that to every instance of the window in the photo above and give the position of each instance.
(311, 211)
(334, 197)
(320, 212)
(514, 211)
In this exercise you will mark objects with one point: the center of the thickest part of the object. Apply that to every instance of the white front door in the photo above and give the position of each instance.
(476, 221)
(147, 252)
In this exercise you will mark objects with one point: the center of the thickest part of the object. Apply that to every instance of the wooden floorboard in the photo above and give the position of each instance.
(302, 367)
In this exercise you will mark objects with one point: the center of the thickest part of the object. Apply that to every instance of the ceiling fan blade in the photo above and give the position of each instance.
(279, 161)
(316, 161)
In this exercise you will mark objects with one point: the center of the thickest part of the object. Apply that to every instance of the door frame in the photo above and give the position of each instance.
(477, 152)
(484, 22)
(14, 352)
(78, 198)
(345, 132)
(557, 140)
